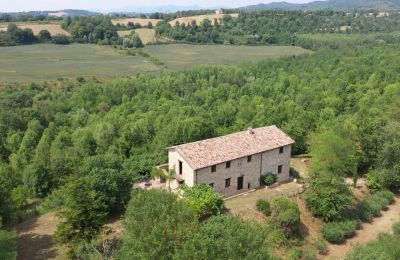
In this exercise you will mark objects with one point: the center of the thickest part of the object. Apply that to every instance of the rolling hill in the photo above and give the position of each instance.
(339, 5)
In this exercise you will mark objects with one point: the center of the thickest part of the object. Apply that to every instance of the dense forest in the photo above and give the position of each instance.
(278, 27)
(79, 147)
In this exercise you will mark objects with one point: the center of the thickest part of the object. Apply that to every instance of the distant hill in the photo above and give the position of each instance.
(60, 13)
(339, 5)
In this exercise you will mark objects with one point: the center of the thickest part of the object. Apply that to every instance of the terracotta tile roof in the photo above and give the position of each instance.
(217, 150)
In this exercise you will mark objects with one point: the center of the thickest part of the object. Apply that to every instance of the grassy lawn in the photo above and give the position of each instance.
(183, 56)
(245, 205)
(50, 61)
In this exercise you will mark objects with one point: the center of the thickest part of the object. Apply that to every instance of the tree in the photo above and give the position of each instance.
(44, 36)
(150, 25)
(334, 156)
(136, 41)
(83, 213)
(202, 199)
(226, 237)
(156, 226)
(328, 200)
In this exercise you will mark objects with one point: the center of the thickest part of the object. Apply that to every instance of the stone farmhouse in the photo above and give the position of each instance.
(233, 163)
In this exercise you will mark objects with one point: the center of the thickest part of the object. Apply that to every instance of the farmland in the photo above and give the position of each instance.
(200, 18)
(53, 28)
(145, 34)
(183, 56)
(47, 61)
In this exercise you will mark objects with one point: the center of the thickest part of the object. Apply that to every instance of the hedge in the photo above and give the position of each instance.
(338, 231)
(372, 206)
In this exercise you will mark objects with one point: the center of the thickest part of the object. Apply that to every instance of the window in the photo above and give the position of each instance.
(180, 167)
(181, 182)
(281, 149)
(211, 185)
(227, 182)
(280, 169)
(249, 185)
(249, 158)
(228, 164)
(214, 168)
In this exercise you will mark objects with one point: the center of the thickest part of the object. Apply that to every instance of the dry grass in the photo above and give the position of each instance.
(141, 21)
(146, 35)
(200, 18)
(53, 28)
(301, 165)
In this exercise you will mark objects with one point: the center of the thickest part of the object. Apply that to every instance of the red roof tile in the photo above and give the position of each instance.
(217, 150)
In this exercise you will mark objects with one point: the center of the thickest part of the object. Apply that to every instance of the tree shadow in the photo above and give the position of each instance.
(304, 230)
(27, 225)
(33, 246)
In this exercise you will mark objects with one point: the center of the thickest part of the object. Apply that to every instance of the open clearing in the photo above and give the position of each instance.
(35, 239)
(50, 61)
(53, 28)
(184, 56)
(141, 21)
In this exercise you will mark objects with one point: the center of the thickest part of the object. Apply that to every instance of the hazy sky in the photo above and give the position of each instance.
(27, 5)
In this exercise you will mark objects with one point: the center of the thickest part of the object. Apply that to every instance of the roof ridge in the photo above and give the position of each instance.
(222, 136)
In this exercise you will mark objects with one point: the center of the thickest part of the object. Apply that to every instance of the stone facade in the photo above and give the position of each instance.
(225, 177)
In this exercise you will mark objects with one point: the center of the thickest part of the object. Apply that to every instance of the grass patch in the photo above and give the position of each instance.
(50, 61)
(183, 56)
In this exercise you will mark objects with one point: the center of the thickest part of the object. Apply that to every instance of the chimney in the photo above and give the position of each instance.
(250, 130)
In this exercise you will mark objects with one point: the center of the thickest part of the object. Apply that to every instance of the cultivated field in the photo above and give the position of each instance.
(200, 18)
(49, 61)
(141, 21)
(53, 28)
(146, 35)
(183, 56)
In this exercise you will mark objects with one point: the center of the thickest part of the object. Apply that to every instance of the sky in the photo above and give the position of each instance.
(107, 5)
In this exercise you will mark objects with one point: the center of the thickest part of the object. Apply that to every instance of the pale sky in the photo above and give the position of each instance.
(104, 5)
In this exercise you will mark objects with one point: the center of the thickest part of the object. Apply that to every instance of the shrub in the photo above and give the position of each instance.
(8, 247)
(286, 214)
(52, 202)
(372, 206)
(338, 231)
(383, 179)
(386, 247)
(269, 179)
(308, 253)
(60, 39)
(321, 246)
(396, 228)
(264, 207)
(328, 200)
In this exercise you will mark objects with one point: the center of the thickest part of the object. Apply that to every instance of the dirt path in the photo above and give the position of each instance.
(35, 239)
(368, 232)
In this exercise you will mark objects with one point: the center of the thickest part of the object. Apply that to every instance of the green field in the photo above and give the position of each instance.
(50, 61)
(182, 56)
